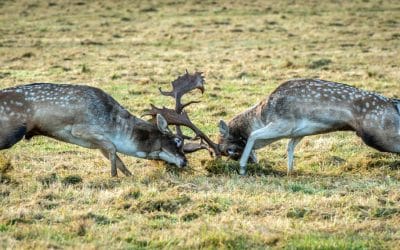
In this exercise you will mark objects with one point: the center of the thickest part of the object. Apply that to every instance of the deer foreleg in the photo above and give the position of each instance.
(290, 151)
(120, 164)
(270, 133)
(112, 155)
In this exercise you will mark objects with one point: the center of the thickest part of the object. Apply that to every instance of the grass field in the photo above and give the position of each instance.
(343, 195)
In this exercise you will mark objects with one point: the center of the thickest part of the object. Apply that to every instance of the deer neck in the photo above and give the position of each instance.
(246, 122)
(122, 131)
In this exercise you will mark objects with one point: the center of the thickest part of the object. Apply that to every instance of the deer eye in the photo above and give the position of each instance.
(178, 142)
(230, 151)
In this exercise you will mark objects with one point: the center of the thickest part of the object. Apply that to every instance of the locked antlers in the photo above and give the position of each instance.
(178, 116)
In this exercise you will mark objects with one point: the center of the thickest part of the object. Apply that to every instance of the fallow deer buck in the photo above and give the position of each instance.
(303, 107)
(87, 117)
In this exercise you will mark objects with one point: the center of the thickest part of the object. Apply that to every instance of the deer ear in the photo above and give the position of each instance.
(162, 124)
(223, 129)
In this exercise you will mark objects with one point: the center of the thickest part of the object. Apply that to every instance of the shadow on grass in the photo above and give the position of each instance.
(5, 169)
(177, 171)
(221, 167)
(167, 204)
(376, 160)
(372, 164)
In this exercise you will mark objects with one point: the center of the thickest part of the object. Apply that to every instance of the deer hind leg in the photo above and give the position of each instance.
(384, 143)
(270, 133)
(10, 136)
(120, 164)
(97, 140)
(253, 157)
(290, 151)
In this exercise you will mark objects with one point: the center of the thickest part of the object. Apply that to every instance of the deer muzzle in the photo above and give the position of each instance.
(178, 160)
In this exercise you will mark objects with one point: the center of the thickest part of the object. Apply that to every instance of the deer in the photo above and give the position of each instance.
(88, 117)
(303, 107)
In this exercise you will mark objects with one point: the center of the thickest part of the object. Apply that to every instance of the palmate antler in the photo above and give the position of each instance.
(182, 85)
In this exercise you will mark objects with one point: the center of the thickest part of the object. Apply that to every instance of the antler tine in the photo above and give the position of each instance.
(170, 115)
(189, 103)
(193, 147)
(166, 93)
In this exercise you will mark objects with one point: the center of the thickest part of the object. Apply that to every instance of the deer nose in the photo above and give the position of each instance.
(183, 163)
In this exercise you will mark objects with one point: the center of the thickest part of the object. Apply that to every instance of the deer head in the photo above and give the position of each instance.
(230, 145)
(171, 146)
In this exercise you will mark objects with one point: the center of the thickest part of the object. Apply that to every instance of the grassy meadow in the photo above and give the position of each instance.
(343, 194)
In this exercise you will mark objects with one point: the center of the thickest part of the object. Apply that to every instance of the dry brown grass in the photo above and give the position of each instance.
(343, 195)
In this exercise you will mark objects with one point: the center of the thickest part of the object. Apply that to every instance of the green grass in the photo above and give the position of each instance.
(343, 195)
(326, 241)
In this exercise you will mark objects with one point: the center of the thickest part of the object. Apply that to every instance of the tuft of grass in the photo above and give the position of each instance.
(231, 240)
(320, 63)
(190, 216)
(4, 193)
(215, 205)
(4, 74)
(19, 219)
(326, 241)
(162, 221)
(28, 55)
(222, 167)
(71, 180)
(298, 213)
(371, 162)
(5, 169)
(169, 204)
(4, 227)
(99, 219)
(394, 165)
(364, 212)
(385, 212)
(46, 204)
(85, 68)
(300, 187)
(5, 165)
(132, 193)
(104, 183)
(115, 77)
(81, 228)
(148, 9)
(138, 243)
(5, 179)
(47, 180)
